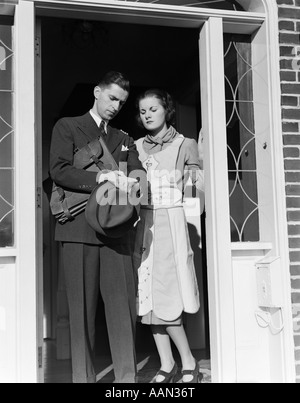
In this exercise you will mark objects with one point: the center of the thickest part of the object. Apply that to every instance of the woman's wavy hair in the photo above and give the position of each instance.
(166, 102)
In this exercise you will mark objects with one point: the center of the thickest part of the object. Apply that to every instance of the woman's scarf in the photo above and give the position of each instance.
(154, 144)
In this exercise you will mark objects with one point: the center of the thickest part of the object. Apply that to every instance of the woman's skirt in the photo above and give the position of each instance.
(165, 263)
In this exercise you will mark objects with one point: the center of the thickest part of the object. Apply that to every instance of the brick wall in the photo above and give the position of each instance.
(289, 25)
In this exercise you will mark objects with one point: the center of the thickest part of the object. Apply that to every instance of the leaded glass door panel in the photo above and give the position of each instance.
(6, 138)
(241, 139)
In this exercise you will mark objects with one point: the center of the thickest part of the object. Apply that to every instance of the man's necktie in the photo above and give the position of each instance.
(102, 129)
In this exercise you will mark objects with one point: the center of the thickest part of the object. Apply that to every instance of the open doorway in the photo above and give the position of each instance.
(75, 54)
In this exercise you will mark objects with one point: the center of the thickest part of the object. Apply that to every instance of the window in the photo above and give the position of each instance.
(6, 139)
(241, 139)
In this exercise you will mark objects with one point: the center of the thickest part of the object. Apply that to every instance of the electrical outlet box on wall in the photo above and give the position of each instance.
(269, 291)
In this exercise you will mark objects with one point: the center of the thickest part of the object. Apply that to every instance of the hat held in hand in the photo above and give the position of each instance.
(109, 211)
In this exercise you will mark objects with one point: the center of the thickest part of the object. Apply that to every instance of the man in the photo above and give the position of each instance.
(88, 258)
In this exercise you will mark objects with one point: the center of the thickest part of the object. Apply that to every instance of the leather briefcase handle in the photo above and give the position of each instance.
(94, 157)
(90, 154)
(107, 153)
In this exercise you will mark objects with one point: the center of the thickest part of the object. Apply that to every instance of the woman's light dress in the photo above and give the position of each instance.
(163, 255)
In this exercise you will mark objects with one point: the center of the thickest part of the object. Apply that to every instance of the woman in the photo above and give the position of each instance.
(163, 255)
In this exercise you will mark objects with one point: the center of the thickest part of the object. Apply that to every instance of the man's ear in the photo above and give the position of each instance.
(97, 92)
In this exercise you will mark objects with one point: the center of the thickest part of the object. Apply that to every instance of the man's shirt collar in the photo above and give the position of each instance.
(98, 120)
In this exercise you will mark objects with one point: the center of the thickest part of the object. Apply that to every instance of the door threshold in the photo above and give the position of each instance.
(60, 371)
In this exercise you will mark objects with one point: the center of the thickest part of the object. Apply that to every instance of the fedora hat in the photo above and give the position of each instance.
(109, 212)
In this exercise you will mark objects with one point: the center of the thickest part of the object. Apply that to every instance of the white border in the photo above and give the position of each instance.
(25, 163)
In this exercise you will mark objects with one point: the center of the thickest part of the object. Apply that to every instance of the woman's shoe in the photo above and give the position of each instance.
(195, 373)
(169, 376)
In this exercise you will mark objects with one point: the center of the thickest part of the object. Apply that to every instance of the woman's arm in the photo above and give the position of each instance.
(193, 164)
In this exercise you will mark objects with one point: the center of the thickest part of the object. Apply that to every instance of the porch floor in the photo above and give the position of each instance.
(57, 371)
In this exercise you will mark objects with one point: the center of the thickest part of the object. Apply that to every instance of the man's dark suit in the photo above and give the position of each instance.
(90, 260)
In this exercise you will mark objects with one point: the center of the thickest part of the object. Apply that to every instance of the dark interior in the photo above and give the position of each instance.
(75, 54)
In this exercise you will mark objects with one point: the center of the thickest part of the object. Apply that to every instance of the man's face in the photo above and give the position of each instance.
(109, 101)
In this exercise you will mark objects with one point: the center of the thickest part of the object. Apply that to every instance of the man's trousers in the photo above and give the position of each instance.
(88, 269)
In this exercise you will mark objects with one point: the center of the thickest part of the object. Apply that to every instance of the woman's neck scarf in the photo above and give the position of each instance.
(154, 144)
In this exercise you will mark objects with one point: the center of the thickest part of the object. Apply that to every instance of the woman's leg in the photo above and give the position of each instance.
(164, 348)
(178, 335)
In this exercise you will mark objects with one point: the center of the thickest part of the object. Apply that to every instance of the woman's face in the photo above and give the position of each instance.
(153, 115)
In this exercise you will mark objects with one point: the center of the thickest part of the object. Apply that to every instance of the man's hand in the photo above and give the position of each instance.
(111, 176)
(120, 180)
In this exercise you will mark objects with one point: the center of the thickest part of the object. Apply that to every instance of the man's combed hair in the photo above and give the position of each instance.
(166, 101)
(114, 77)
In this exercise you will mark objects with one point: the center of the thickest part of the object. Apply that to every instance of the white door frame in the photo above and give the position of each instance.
(29, 334)
(220, 286)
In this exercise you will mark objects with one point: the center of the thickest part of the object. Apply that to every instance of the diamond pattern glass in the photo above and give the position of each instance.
(241, 139)
(6, 139)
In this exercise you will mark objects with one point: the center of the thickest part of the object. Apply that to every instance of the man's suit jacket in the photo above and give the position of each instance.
(68, 135)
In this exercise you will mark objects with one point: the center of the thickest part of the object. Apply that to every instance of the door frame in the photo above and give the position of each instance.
(29, 248)
(220, 285)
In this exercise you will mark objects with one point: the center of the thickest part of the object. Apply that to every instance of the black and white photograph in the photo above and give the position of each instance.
(150, 194)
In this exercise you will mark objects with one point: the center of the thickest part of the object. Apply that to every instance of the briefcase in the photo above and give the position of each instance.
(66, 205)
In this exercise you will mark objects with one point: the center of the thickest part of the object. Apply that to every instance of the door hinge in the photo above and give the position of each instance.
(39, 197)
(40, 357)
(37, 46)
